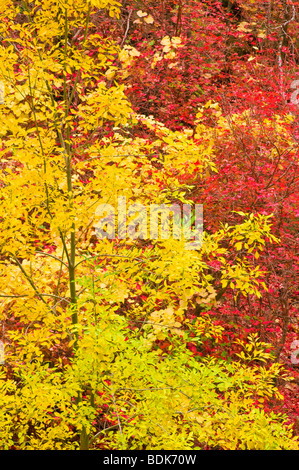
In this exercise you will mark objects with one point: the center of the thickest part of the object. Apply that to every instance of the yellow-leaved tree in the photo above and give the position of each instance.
(84, 318)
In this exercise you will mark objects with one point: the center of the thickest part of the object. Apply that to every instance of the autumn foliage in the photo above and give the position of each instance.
(130, 343)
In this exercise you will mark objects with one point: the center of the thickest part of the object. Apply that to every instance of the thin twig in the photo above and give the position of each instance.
(127, 28)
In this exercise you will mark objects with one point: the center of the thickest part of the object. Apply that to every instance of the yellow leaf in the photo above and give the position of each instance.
(165, 41)
(110, 74)
(176, 42)
(149, 19)
(141, 13)
(170, 55)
